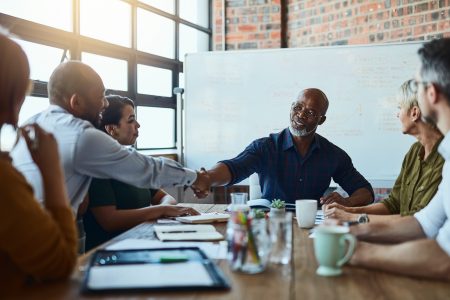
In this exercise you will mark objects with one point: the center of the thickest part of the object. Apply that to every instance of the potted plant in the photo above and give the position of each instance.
(277, 207)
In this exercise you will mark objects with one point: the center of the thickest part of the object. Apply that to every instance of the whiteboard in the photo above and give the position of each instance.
(234, 97)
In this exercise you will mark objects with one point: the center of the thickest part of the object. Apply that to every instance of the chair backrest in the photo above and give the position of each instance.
(254, 188)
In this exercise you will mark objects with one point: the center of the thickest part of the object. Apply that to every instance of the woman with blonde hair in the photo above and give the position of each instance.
(420, 174)
(36, 243)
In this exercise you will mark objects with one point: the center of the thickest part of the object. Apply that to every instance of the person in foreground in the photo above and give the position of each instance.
(115, 206)
(420, 244)
(77, 98)
(297, 163)
(421, 170)
(37, 243)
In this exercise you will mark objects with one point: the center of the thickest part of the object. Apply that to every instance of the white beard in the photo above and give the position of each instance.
(301, 132)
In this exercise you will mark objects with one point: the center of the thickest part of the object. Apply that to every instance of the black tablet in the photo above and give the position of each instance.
(162, 269)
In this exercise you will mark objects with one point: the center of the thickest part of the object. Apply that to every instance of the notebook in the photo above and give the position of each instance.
(152, 269)
(204, 218)
(187, 233)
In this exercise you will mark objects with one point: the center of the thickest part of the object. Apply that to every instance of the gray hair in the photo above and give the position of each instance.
(435, 68)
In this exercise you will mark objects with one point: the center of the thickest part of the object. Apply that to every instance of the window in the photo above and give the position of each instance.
(136, 46)
(158, 125)
(39, 11)
(192, 40)
(165, 5)
(42, 59)
(106, 20)
(155, 34)
(112, 71)
(195, 11)
(154, 81)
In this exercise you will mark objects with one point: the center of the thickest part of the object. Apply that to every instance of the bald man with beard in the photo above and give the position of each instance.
(77, 98)
(297, 163)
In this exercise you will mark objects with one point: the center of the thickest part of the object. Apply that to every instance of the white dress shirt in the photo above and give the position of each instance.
(87, 152)
(434, 218)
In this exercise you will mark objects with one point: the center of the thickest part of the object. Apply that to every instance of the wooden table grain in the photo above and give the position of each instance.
(297, 280)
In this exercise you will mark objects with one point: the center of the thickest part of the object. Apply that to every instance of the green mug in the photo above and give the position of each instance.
(331, 250)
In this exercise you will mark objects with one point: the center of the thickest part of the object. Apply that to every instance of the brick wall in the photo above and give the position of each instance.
(252, 24)
(322, 22)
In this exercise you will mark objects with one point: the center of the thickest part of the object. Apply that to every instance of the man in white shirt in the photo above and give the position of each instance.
(77, 98)
(418, 245)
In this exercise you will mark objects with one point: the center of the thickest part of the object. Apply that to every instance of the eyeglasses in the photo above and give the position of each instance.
(413, 85)
(310, 114)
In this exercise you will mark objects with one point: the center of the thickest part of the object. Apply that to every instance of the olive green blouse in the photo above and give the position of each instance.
(417, 183)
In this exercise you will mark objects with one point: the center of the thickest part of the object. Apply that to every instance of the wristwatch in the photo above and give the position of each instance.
(363, 218)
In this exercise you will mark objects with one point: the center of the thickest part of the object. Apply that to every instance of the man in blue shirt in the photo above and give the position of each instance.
(297, 163)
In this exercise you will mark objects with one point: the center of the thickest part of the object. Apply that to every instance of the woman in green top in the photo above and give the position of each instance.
(420, 174)
(116, 206)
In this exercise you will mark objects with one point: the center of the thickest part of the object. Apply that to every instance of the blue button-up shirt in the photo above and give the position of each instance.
(285, 174)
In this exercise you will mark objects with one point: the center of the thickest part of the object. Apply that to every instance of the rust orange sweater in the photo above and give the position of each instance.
(36, 244)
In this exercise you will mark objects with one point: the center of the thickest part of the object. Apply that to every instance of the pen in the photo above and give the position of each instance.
(181, 231)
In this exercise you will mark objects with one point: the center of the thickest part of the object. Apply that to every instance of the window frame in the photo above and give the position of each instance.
(75, 44)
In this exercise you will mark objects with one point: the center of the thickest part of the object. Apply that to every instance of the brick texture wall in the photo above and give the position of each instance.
(250, 24)
(256, 24)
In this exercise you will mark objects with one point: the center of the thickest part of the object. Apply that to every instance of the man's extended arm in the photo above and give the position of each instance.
(399, 230)
(419, 258)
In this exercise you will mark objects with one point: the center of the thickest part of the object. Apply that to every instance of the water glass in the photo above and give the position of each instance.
(248, 243)
(239, 201)
(281, 238)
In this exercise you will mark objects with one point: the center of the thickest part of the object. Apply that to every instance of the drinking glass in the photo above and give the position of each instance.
(281, 238)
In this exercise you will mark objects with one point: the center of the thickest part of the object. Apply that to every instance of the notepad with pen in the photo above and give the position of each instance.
(187, 233)
(152, 269)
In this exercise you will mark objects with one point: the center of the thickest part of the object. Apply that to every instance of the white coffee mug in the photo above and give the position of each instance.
(305, 211)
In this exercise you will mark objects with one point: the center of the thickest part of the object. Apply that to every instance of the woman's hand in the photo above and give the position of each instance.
(43, 148)
(176, 211)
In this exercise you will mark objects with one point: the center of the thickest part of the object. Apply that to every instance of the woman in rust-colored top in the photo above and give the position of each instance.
(36, 243)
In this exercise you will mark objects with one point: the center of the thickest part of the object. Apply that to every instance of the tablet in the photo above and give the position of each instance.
(162, 269)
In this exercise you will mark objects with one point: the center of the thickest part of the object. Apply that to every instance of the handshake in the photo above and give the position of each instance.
(201, 186)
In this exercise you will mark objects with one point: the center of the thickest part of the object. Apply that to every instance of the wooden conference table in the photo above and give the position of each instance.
(295, 281)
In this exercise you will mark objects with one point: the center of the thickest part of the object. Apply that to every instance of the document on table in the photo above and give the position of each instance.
(187, 233)
(212, 250)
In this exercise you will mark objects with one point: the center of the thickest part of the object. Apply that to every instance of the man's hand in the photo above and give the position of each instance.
(332, 198)
(202, 185)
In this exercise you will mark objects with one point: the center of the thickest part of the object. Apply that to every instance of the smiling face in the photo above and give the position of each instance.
(307, 113)
(127, 131)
